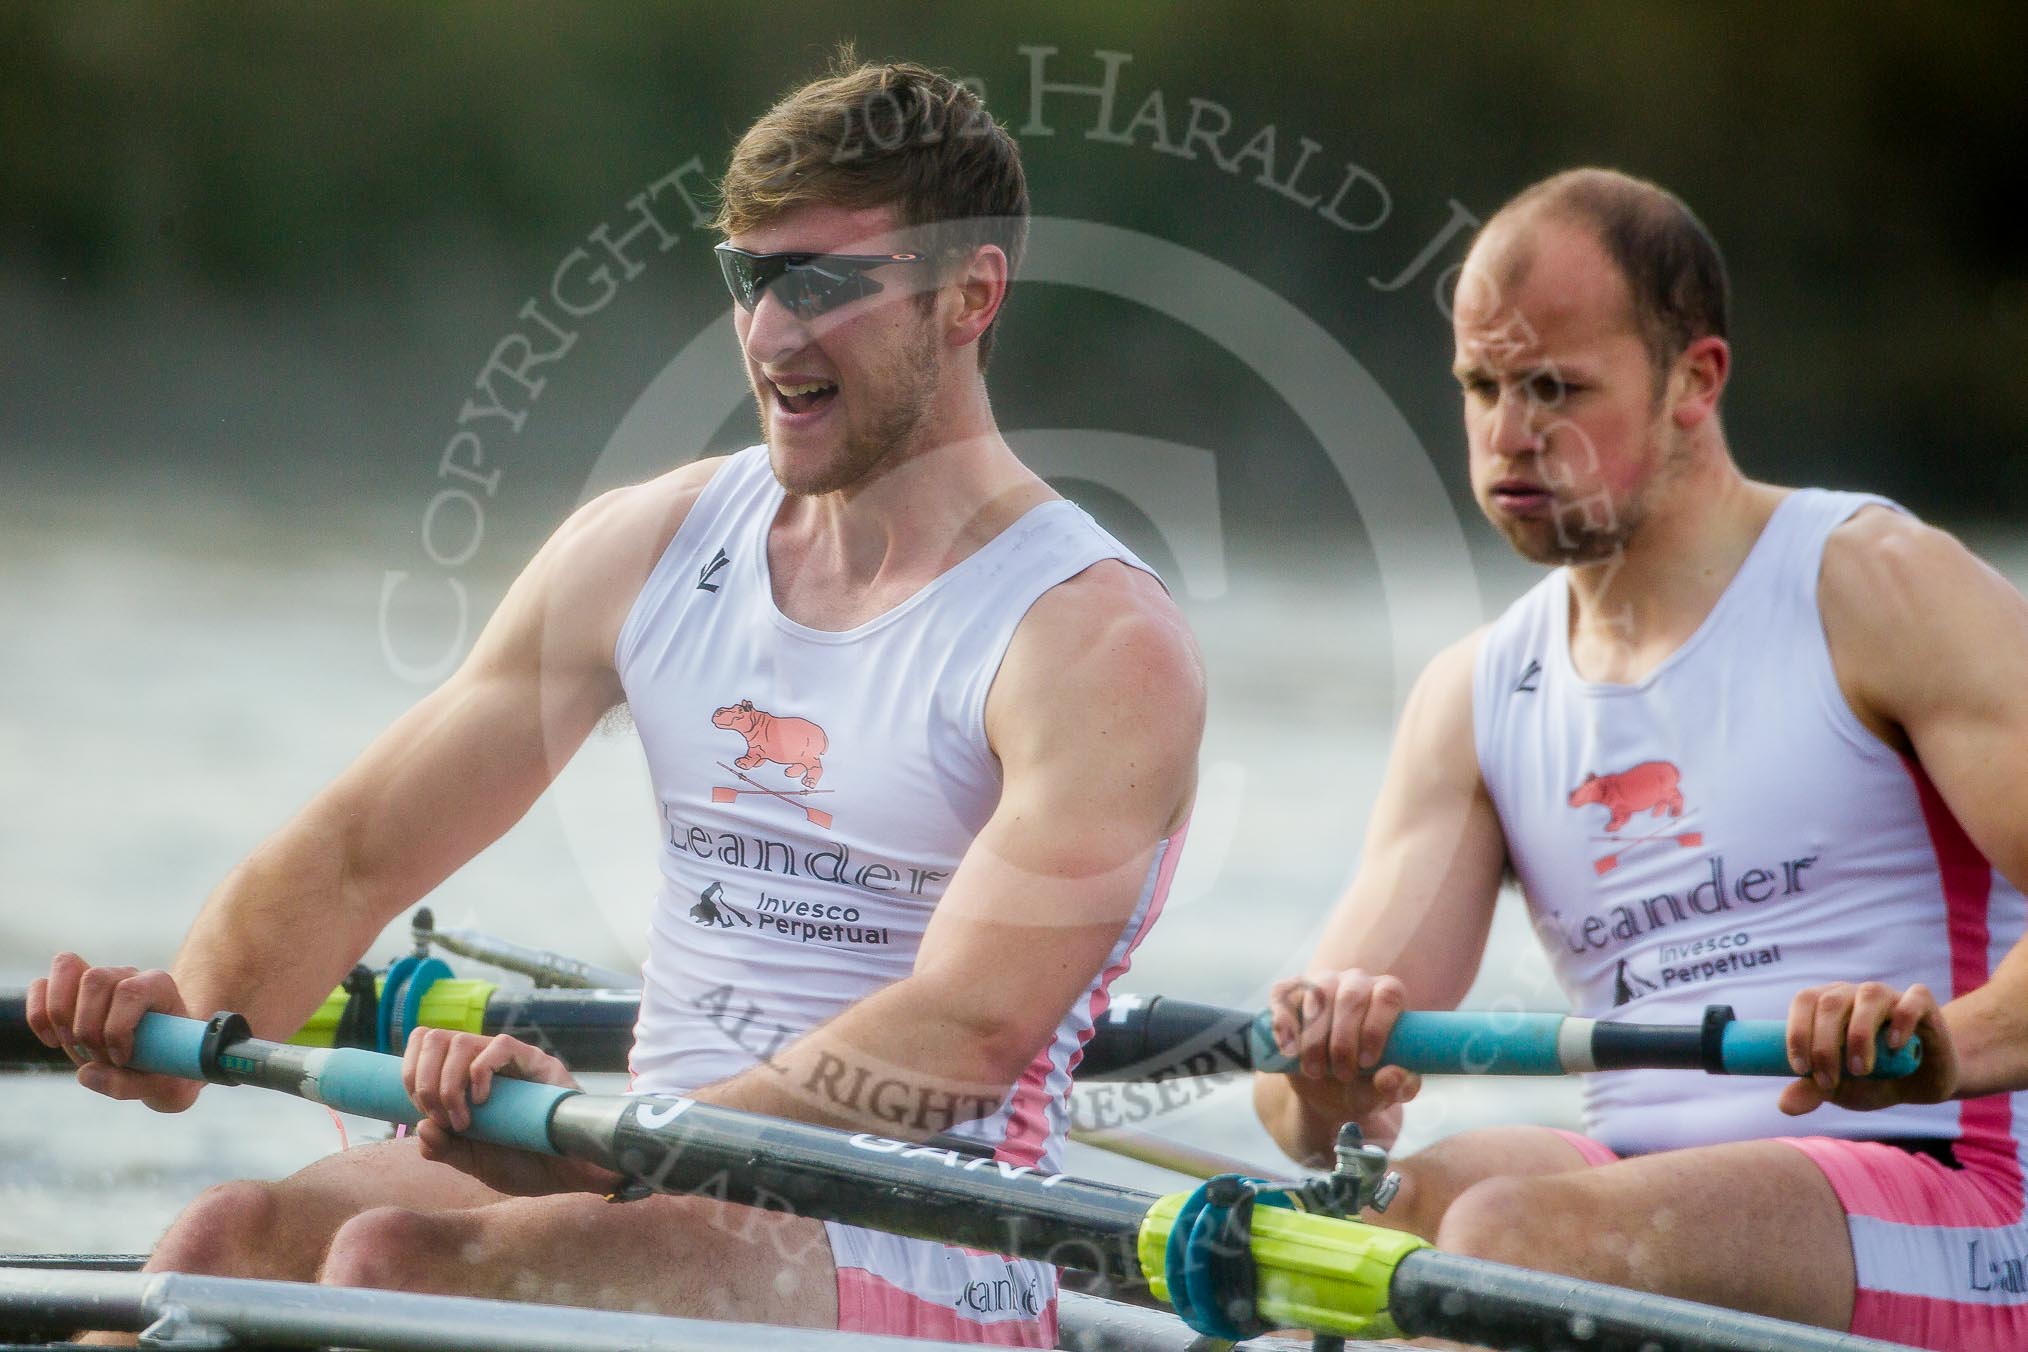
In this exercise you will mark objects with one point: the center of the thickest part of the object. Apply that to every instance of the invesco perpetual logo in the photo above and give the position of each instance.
(1428, 588)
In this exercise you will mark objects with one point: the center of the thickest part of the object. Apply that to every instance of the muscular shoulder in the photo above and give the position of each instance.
(578, 588)
(629, 528)
(1438, 714)
(1112, 634)
(1911, 615)
(1104, 658)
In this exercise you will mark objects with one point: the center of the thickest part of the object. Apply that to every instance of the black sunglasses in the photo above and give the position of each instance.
(808, 283)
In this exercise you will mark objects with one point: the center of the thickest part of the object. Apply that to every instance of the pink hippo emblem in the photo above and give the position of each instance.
(796, 744)
(1651, 786)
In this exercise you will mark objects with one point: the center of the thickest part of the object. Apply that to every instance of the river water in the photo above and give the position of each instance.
(179, 670)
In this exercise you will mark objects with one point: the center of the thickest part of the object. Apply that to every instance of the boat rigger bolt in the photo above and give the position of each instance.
(1364, 1180)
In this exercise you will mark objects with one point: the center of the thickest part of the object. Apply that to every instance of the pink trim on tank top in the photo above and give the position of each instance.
(1028, 1117)
(1984, 1124)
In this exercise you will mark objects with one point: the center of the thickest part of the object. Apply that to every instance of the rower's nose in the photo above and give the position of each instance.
(1515, 423)
(771, 332)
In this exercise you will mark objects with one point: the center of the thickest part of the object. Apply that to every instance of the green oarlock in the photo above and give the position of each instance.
(451, 1003)
(1153, 1244)
(1312, 1272)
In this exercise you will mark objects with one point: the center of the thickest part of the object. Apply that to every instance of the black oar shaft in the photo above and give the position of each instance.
(922, 1190)
(1520, 1310)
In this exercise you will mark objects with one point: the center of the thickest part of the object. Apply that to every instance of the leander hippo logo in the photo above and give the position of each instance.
(795, 744)
(1653, 787)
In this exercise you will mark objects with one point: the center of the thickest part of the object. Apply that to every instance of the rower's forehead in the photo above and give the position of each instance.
(1538, 288)
(823, 228)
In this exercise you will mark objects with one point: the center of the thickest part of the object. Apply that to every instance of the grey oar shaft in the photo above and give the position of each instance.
(1474, 1301)
(546, 968)
(289, 1314)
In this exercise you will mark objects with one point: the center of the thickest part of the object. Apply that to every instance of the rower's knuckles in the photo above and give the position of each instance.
(1382, 1013)
(1827, 1039)
(94, 1001)
(1871, 1008)
(64, 971)
(1348, 1022)
(133, 999)
(35, 1010)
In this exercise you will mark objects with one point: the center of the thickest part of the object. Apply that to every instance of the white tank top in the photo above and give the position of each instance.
(1726, 831)
(816, 791)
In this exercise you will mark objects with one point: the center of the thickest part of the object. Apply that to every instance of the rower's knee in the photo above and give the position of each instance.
(1509, 1219)
(386, 1248)
(232, 1229)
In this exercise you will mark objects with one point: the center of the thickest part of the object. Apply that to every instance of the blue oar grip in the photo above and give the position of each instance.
(1761, 1047)
(1447, 1043)
(1456, 1043)
(167, 1045)
(515, 1113)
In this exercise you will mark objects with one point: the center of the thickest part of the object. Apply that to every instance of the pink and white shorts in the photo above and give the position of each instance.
(1941, 1253)
(921, 1289)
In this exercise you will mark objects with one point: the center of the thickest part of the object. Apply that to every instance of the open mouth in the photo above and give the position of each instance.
(804, 396)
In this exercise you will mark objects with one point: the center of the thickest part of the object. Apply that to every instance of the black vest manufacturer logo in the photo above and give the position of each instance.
(712, 909)
(711, 570)
(1527, 683)
(1629, 986)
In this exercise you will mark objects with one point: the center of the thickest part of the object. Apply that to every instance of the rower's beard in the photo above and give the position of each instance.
(891, 434)
(1574, 534)
(1570, 536)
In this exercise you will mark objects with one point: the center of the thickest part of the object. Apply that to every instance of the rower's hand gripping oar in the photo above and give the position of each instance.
(516, 1112)
(1493, 1043)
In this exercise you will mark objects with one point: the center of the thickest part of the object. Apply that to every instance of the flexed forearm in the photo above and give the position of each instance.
(282, 929)
(909, 1061)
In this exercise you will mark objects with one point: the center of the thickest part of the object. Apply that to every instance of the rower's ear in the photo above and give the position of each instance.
(1698, 379)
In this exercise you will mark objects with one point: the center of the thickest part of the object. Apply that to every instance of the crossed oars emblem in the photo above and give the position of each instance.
(726, 794)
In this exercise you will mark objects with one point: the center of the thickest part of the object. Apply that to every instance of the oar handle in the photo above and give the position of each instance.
(1494, 1043)
(1761, 1047)
(515, 1113)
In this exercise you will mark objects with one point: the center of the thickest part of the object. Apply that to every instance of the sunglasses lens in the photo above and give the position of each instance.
(742, 278)
(809, 292)
(827, 284)
(809, 285)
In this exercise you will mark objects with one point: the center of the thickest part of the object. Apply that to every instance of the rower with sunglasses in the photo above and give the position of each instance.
(923, 743)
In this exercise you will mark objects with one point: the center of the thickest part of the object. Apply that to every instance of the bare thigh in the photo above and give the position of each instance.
(1433, 1178)
(668, 1255)
(281, 1230)
(1752, 1225)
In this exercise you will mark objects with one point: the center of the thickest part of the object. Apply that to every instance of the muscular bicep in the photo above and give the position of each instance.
(1421, 903)
(1930, 645)
(1096, 717)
